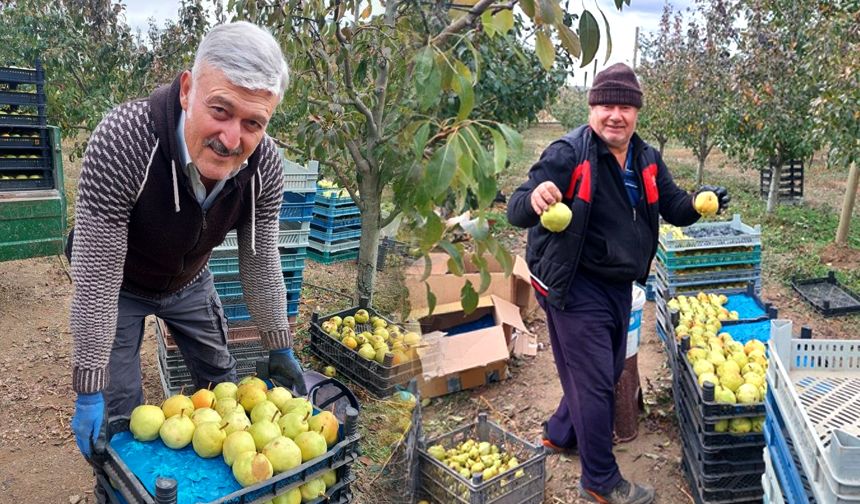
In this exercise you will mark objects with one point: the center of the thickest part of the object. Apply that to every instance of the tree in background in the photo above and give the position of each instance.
(702, 79)
(660, 76)
(833, 67)
(768, 121)
(571, 107)
(368, 99)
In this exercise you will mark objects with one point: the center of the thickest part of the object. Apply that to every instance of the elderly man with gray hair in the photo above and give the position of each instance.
(163, 180)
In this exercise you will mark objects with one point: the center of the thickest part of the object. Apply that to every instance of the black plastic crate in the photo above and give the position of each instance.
(32, 138)
(22, 98)
(790, 181)
(381, 380)
(21, 119)
(113, 472)
(31, 161)
(827, 295)
(704, 431)
(723, 492)
(14, 75)
(719, 453)
(46, 181)
(440, 484)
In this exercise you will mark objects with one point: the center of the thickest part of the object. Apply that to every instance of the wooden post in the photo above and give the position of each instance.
(635, 48)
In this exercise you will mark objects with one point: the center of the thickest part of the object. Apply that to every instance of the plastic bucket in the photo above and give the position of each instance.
(633, 328)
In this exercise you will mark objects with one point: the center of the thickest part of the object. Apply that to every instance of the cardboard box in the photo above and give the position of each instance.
(476, 355)
(446, 286)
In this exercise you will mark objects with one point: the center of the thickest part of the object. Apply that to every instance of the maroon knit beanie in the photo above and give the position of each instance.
(616, 85)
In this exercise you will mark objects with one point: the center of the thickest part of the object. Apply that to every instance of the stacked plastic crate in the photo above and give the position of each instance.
(813, 419)
(25, 156)
(336, 227)
(715, 257)
(243, 341)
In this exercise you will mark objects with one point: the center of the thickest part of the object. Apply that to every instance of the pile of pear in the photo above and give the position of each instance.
(259, 432)
(471, 457)
(701, 315)
(374, 345)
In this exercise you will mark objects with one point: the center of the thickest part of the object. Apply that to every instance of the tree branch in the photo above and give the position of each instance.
(388, 220)
(462, 22)
(372, 125)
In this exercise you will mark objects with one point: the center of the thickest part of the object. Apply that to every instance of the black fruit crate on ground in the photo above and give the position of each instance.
(790, 181)
(115, 476)
(705, 433)
(706, 492)
(381, 380)
(440, 484)
(827, 295)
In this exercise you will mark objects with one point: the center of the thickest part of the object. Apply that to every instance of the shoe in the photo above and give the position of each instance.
(624, 492)
(551, 448)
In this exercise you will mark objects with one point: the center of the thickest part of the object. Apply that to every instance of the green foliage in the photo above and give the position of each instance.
(660, 77)
(571, 107)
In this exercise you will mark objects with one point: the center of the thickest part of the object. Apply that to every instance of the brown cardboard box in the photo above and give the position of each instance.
(446, 286)
(469, 359)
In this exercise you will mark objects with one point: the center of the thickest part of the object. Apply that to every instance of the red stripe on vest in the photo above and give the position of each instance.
(540, 289)
(649, 177)
(583, 171)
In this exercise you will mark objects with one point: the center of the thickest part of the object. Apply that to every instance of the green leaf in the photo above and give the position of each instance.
(500, 151)
(464, 159)
(528, 6)
(608, 35)
(487, 22)
(544, 49)
(589, 36)
(431, 299)
(468, 298)
(428, 78)
(455, 263)
(486, 190)
(504, 21)
(569, 40)
(548, 11)
(467, 97)
(441, 168)
(515, 140)
(619, 4)
(428, 267)
(420, 140)
(432, 231)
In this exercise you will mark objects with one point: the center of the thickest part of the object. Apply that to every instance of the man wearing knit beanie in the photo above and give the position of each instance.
(617, 187)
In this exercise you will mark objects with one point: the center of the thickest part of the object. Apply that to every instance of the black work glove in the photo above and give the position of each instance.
(722, 195)
(285, 367)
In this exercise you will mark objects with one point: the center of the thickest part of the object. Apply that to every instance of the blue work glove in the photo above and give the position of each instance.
(87, 422)
(285, 367)
(722, 195)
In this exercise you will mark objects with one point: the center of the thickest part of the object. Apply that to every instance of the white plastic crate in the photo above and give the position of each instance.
(816, 385)
(298, 178)
(742, 235)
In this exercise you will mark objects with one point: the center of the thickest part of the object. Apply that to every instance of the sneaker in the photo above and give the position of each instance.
(624, 492)
(551, 448)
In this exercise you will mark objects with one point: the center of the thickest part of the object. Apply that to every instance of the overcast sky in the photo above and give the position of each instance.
(642, 13)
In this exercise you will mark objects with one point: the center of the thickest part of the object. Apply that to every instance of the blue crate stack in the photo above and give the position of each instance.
(335, 231)
(295, 220)
(812, 431)
(717, 257)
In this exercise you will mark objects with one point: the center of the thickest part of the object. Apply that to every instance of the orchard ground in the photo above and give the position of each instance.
(40, 463)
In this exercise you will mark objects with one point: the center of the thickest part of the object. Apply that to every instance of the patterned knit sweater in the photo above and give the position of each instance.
(130, 160)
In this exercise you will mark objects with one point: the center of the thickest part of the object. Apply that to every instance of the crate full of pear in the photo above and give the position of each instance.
(481, 463)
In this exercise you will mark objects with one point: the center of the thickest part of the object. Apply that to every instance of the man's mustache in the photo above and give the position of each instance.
(220, 149)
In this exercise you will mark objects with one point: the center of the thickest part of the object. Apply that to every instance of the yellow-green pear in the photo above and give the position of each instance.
(177, 404)
(312, 445)
(235, 421)
(236, 443)
(283, 453)
(278, 396)
(294, 423)
(747, 394)
(223, 390)
(329, 478)
(326, 424)
(263, 432)
(265, 410)
(294, 496)
(312, 490)
(205, 415)
(145, 422)
(556, 217)
(298, 404)
(226, 405)
(251, 467)
(253, 380)
(208, 439)
(249, 395)
(740, 425)
(177, 431)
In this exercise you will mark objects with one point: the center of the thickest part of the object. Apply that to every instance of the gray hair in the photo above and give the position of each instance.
(248, 55)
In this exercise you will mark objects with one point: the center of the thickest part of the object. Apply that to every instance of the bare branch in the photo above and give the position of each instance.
(388, 220)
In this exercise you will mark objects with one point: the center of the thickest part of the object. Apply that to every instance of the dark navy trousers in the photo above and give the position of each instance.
(589, 343)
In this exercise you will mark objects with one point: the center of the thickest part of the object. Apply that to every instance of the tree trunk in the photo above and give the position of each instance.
(848, 205)
(368, 250)
(661, 142)
(773, 191)
(700, 170)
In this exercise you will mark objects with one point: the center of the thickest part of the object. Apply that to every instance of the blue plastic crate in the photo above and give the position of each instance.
(239, 312)
(786, 464)
(333, 212)
(335, 222)
(332, 235)
(323, 200)
(297, 207)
